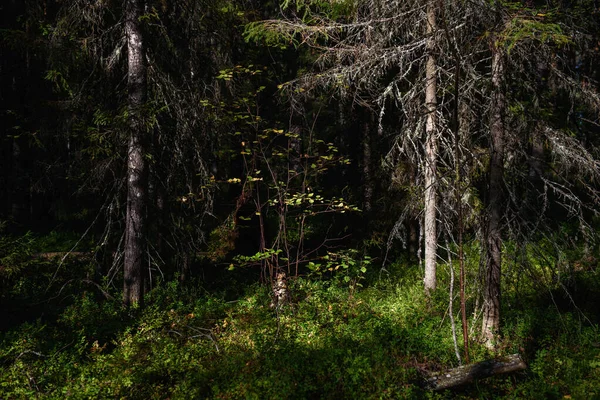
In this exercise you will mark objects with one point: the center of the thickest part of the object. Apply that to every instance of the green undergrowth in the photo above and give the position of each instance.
(330, 342)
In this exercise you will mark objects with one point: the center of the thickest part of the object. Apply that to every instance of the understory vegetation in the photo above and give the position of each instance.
(337, 199)
(65, 337)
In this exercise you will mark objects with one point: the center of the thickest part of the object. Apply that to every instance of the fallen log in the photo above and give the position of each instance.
(468, 373)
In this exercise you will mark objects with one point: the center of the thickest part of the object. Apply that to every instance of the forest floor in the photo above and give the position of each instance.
(64, 337)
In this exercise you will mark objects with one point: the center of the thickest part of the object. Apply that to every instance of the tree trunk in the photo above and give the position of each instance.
(492, 236)
(536, 160)
(431, 154)
(137, 180)
(186, 262)
(367, 175)
(413, 238)
(468, 373)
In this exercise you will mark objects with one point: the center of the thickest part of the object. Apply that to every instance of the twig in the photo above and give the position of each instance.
(29, 351)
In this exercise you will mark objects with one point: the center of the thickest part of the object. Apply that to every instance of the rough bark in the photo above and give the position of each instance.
(431, 154)
(137, 181)
(468, 373)
(413, 238)
(281, 294)
(536, 162)
(536, 159)
(413, 225)
(186, 262)
(492, 236)
(367, 175)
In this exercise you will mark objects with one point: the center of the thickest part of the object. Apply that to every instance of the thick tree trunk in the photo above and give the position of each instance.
(492, 237)
(431, 154)
(137, 181)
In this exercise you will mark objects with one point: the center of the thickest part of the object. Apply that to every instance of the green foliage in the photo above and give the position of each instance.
(257, 32)
(562, 350)
(282, 175)
(59, 81)
(531, 25)
(281, 168)
(332, 9)
(314, 14)
(15, 253)
(344, 266)
(189, 343)
(266, 254)
(57, 241)
(221, 241)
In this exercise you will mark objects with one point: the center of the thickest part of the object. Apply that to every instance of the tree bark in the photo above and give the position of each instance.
(367, 175)
(413, 238)
(431, 154)
(137, 180)
(492, 236)
(468, 373)
(536, 161)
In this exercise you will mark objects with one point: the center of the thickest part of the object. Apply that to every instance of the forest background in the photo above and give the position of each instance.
(298, 199)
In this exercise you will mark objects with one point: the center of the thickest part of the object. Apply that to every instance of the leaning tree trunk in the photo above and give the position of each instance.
(431, 154)
(492, 236)
(137, 180)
